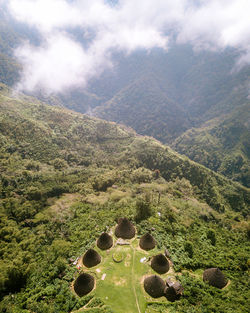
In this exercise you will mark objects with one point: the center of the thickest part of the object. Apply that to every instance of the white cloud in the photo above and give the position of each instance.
(46, 15)
(62, 62)
(217, 23)
(55, 66)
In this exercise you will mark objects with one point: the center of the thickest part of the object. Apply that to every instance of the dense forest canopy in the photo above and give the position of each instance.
(57, 172)
(167, 95)
(97, 100)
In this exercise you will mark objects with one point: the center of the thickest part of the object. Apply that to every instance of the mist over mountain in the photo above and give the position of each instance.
(78, 39)
(157, 92)
(66, 177)
(181, 90)
(204, 84)
(124, 110)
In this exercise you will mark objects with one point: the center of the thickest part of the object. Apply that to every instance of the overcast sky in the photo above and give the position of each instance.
(62, 62)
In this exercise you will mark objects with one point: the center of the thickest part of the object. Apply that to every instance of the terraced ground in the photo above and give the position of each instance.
(120, 284)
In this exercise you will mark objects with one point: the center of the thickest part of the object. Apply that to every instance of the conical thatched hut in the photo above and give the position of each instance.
(147, 242)
(91, 258)
(105, 241)
(125, 229)
(154, 286)
(160, 264)
(215, 277)
(84, 284)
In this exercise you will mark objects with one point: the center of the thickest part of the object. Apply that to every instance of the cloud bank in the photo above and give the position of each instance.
(62, 61)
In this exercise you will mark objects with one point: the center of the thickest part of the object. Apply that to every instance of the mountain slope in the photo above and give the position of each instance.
(205, 84)
(145, 106)
(221, 144)
(183, 90)
(158, 94)
(65, 178)
(69, 135)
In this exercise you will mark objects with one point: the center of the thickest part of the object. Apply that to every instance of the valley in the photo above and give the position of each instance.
(61, 172)
(124, 156)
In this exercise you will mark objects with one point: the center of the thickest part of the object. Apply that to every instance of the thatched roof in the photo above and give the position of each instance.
(91, 258)
(125, 229)
(84, 284)
(173, 291)
(147, 242)
(105, 241)
(215, 277)
(159, 263)
(171, 294)
(154, 286)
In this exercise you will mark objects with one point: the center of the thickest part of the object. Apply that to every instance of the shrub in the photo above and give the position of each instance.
(189, 248)
(142, 175)
(59, 164)
(143, 210)
(211, 236)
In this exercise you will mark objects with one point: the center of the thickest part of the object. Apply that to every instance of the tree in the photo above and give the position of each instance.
(211, 236)
(143, 210)
(59, 164)
(189, 248)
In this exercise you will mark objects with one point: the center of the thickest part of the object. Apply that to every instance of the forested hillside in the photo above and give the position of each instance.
(9, 68)
(221, 144)
(124, 156)
(12, 34)
(160, 94)
(66, 177)
(204, 84)
(183, 91)
(144, 106)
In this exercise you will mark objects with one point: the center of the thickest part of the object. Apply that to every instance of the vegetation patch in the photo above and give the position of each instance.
(118, 256)
(49, 212)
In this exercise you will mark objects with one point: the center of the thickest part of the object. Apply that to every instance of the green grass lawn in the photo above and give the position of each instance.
(120, 284)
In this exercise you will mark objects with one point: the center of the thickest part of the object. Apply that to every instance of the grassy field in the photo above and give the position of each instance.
(120, 284)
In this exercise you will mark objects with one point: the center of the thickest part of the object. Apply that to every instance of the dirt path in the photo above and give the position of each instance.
(134, 291)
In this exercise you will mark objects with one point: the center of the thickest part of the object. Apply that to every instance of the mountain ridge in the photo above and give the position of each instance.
(160, 94)
(97, 140)
(65, 178)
